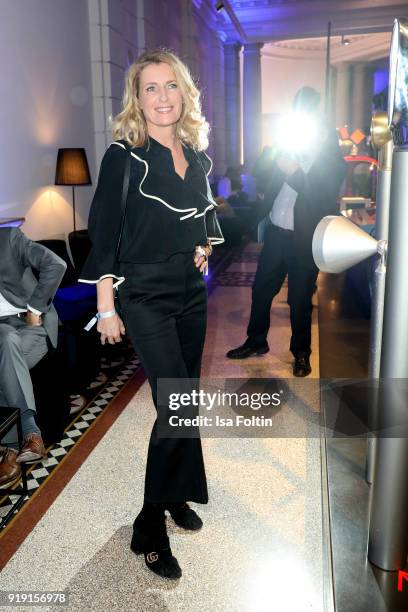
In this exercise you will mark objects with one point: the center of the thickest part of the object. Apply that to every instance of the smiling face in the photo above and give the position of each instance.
(160, 97)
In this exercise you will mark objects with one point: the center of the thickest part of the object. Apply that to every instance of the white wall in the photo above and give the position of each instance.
(46, 103)
(281, 79)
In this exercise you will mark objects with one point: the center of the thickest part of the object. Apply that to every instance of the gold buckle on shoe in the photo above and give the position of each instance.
(151, 557)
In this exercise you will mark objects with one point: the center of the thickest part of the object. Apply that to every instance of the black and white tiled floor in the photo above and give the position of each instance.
(39, 472)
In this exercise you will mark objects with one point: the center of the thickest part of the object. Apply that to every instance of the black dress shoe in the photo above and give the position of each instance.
(245, 350)
(150, 538)
(301, 367)
(184, 516)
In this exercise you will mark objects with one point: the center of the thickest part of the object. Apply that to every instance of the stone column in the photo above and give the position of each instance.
(358, 96)
(343, 92)
(218, 102)
(113, 32)
(232, 103)
(189, 37)
(252, 102)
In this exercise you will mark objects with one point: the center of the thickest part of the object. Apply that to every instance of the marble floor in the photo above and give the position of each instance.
(228, 314)
(262, 547)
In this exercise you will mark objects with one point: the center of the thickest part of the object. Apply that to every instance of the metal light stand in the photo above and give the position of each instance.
(388, 534)
(382, 140)
(388, 531)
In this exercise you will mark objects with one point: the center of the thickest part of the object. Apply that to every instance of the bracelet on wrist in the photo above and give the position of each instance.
(106, 315)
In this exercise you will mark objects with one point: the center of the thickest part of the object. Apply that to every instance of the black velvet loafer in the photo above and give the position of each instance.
(151, 540)
(184, 516)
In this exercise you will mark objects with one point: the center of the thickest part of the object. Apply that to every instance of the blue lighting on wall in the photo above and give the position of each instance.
(380, 81)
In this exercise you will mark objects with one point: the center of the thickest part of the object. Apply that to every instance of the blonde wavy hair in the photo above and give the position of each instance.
(130, 124)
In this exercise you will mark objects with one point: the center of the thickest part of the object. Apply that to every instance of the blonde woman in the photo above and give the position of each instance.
(169, 229)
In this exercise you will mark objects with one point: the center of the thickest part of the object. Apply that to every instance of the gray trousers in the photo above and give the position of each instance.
(21, 348)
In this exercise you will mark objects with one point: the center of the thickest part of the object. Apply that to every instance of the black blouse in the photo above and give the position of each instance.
(165, 214)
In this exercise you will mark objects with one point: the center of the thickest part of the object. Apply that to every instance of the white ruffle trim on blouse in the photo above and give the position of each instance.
(192, 212)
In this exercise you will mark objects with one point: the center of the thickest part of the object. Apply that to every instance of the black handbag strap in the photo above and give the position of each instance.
(123, 204)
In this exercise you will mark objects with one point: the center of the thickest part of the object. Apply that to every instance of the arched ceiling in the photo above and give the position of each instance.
(273, 20)
(362, 47)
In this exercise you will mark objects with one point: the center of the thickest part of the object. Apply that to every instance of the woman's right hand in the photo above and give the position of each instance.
(111, 329)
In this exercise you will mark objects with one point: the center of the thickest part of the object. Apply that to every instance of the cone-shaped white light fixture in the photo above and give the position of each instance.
(339, 244)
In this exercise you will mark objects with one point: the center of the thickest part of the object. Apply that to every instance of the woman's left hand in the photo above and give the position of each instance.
(201, 256)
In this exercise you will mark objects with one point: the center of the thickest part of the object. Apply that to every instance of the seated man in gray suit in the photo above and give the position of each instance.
(28, 325)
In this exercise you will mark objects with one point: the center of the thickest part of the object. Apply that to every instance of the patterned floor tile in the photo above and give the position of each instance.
(40, 471)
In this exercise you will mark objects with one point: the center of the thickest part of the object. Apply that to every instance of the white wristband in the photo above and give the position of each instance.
(106, 315)
(99, 315)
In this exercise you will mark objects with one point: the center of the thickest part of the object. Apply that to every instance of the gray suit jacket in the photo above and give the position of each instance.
(18, 255)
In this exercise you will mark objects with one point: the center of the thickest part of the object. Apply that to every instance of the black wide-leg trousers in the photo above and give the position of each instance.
(164, 308)
(278, 259)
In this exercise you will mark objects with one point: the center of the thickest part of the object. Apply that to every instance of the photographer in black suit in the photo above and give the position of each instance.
(28, 325)
(301, 187)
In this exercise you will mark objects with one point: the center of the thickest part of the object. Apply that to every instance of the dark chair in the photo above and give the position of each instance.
(59, 248)
(75, 304)
(80, 245)
(73, 301)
